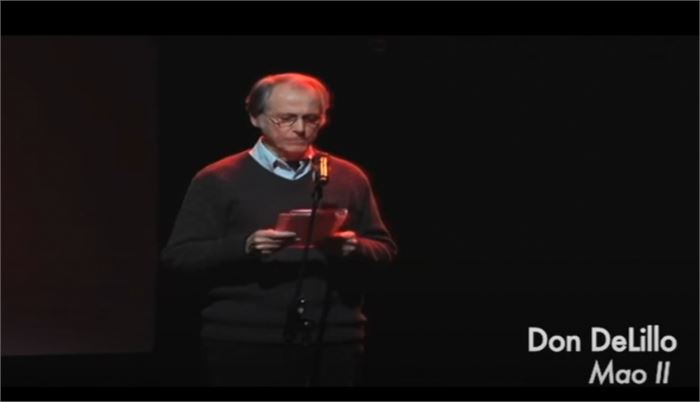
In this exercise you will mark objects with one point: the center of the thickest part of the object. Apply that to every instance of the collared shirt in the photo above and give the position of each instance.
(273, 163)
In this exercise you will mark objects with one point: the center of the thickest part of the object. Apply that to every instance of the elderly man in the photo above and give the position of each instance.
(226, 230)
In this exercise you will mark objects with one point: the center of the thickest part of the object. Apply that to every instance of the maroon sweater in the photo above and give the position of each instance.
(248, 298)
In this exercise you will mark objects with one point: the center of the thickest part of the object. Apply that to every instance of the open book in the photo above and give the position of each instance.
(327, 222)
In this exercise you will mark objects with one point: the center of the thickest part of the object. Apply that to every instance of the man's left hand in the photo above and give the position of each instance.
(347, 241)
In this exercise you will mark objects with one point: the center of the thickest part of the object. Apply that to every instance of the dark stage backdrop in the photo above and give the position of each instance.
(529, 181)
(79, 190)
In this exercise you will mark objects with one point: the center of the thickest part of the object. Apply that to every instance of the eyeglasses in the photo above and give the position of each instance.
(287, 120)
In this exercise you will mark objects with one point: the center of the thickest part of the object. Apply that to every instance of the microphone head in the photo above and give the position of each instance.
(320, 167)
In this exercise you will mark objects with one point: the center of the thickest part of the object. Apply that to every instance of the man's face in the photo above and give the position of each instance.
(292, 119)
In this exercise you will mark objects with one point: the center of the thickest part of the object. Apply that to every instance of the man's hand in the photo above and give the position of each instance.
(267, 241)
(344, 242)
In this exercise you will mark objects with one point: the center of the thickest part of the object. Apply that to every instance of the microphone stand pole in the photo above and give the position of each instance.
(318, 352)
(296, 321)
(312, 379)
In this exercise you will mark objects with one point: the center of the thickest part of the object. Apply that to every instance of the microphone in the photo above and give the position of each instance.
(320, 166)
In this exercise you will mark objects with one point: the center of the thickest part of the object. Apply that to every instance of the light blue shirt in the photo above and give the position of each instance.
(273, 163)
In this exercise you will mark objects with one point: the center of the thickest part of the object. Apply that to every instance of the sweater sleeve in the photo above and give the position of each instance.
(375, 243)
(199, 240)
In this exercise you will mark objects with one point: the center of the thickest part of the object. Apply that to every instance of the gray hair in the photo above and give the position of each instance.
(256, 101)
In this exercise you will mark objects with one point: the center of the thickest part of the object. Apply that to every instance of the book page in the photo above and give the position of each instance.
(327, 222)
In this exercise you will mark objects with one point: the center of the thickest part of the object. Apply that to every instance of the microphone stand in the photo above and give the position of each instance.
(312, 377)
(296, 322)
(318, 352)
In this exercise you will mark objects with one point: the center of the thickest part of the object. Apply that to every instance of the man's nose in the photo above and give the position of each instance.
(299, 126)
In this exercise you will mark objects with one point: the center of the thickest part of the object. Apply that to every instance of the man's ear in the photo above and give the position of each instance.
(255, 121)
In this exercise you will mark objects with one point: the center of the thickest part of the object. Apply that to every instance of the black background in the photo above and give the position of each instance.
(530, 180)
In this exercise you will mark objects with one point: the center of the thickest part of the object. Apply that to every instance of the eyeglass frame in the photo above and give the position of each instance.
(275, 120)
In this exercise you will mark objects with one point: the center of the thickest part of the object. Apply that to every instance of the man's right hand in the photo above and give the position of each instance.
(267, 241)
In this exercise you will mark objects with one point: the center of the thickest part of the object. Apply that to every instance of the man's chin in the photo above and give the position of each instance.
(295, 152)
